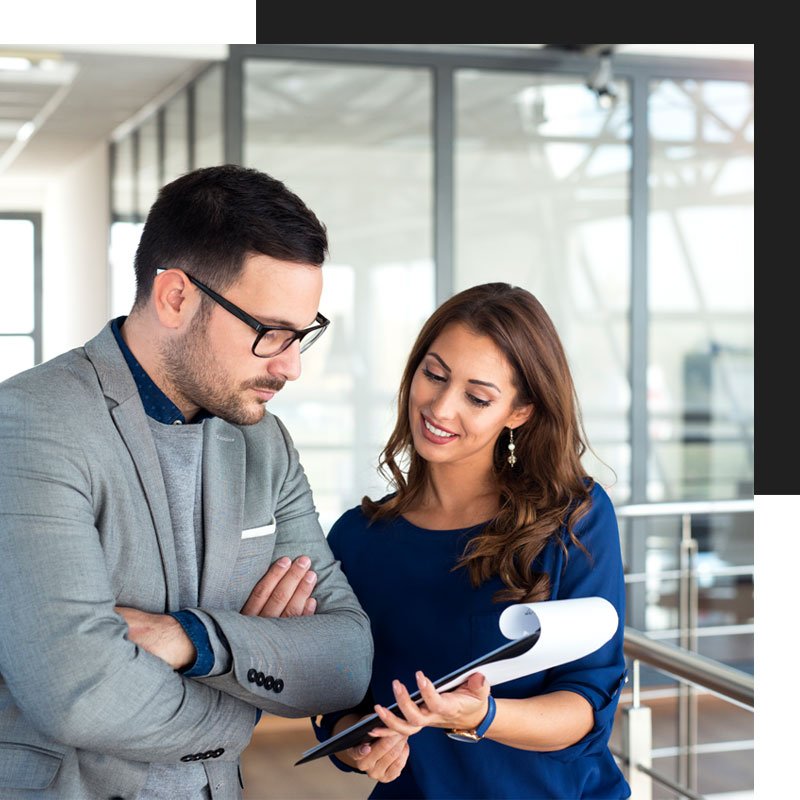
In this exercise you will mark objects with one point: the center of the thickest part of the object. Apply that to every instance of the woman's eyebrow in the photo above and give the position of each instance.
(471, 380)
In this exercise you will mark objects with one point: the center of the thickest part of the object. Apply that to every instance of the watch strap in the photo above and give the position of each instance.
(476, 734)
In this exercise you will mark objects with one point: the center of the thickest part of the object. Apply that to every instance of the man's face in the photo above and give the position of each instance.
(212, 366)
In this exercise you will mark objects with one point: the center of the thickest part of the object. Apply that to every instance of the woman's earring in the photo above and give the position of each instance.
(512, 459)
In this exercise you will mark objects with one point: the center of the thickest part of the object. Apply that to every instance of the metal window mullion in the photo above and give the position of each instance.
(191, 130)
(443, 181)
(38, 286)
(638, 343)
(233, 107)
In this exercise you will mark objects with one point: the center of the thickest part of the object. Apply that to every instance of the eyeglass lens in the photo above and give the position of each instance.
(274, 342)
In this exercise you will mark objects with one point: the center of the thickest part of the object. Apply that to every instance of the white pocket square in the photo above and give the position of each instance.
(261, 530)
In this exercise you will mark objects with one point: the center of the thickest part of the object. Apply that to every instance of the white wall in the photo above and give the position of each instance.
(75, 220)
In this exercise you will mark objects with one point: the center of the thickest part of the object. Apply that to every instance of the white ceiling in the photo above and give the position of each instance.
(76, 95)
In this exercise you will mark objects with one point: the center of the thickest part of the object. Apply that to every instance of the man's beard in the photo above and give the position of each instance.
(199, 378)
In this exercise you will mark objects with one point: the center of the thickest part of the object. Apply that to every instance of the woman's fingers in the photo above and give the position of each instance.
(382, 759)
(391, 763)
(395, 723)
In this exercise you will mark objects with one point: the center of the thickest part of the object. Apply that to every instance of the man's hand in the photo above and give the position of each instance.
(284, 591)
(159, 634)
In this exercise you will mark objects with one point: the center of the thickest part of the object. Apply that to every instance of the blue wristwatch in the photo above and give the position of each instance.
(478, 733)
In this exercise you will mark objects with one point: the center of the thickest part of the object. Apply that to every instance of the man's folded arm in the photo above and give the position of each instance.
(64, 654)
(294, 666)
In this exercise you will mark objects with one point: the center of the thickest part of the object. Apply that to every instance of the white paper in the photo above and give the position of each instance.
(568, 630)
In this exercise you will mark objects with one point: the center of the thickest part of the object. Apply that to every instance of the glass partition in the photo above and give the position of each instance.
(149, 168)
(176, 137)
(19, 323)
(209, 122)
(542, 176)
(355, 143)
(701, 290)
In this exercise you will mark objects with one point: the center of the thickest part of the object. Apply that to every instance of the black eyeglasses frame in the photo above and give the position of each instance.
(261, 330)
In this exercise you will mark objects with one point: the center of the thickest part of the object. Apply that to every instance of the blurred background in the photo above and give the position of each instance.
(614, 181)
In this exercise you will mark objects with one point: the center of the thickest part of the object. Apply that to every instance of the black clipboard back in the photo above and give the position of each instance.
(359, 732)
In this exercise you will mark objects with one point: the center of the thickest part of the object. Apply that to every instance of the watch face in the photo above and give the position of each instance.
(464, 736)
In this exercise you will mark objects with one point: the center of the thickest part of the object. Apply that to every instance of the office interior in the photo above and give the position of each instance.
(613, 181)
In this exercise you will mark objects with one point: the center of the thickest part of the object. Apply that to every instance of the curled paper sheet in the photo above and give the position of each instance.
(543, 635)
(568, 630)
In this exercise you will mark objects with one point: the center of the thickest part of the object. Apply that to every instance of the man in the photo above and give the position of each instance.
(158, 538)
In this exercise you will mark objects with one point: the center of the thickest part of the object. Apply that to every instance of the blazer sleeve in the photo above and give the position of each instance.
(64, 655)
(299, 666)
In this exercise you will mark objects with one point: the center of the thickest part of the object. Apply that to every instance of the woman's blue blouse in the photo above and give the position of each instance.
(427, 616)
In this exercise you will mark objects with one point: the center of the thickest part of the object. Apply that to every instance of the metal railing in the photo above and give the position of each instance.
(682, 661)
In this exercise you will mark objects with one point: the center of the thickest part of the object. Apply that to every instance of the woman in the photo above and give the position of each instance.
(491, 507)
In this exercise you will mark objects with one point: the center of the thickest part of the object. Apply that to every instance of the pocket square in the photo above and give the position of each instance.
(261, 530)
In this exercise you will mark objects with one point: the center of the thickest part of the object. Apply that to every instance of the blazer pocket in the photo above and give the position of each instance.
(261, 530)
(23, 766)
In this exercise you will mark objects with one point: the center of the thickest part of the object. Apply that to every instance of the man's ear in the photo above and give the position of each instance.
(173, 297)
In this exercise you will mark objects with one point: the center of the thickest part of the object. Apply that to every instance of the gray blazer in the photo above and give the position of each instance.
(84, 526)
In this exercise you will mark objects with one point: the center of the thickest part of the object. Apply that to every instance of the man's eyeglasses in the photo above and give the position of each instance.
(270, 339)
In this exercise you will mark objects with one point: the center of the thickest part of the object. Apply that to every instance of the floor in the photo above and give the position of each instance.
(269, 774)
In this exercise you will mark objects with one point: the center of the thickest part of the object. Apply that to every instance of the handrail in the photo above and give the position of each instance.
(681, 661)
(685, 507)
(731, 684)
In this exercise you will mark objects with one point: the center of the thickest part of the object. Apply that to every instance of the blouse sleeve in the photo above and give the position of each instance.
(323, 727)
(599, 676)
(323, 724)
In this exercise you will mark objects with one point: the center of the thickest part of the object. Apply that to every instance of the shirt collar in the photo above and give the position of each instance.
(156, 404)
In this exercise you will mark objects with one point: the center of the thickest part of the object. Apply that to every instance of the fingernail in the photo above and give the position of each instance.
(310, 577)
(284, 562)
(364, 749)
(304, 561)
(421, 680)
(312, 604)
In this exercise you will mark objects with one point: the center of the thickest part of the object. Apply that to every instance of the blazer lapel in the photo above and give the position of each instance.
(223, 507)
(129, 417)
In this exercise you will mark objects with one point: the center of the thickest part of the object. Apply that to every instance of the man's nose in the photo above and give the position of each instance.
(286, 365)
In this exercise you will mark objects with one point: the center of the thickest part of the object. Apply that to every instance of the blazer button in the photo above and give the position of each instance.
(278, 686)
(208, 754)
(218, 752)
(251, 675)
(268, 681)
(259, 679)
(187, 758)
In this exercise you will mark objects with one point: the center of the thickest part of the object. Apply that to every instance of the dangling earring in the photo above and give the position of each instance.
(512, 459)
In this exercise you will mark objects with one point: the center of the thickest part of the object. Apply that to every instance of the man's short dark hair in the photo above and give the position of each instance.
(209, 220)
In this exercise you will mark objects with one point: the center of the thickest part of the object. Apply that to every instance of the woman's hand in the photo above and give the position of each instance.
(463, 707)
(382, 759)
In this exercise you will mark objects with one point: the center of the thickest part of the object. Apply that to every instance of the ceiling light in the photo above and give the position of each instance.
(26, 131)
(15, 63)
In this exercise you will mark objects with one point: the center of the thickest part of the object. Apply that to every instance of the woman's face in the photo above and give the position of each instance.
(462, 396)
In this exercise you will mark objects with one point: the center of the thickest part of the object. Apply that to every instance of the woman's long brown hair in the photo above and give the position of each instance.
(547, 489)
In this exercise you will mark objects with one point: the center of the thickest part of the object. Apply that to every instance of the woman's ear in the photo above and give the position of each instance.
(520, 415)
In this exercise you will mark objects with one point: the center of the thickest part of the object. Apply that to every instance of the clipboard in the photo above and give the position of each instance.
(359, 732)
(543, 634)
